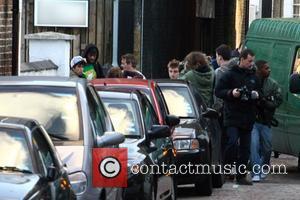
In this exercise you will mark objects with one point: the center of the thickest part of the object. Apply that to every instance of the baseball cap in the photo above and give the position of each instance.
(76, 60)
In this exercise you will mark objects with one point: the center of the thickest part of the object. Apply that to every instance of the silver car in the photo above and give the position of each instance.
(73, 115)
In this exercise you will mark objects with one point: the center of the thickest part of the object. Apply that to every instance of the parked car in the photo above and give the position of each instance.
(147, 141)
(73, 115)
(196, 138)
(29, 165)
(150, 88)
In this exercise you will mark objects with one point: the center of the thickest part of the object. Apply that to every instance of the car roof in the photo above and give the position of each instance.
(17, 122)
(41, 80)
(121, 81)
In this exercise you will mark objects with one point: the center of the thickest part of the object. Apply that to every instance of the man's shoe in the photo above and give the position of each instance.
(243, 181)
(256, 178)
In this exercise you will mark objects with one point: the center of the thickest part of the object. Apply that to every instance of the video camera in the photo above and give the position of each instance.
(247, 94)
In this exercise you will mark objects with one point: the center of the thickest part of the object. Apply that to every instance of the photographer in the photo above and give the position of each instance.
(270, 99)
(238, 88)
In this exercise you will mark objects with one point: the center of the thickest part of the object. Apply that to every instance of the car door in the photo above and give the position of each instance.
(162, 154)
(56, 189)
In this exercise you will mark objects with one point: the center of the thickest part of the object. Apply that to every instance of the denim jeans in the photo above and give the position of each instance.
(261, 147)
(238, 148)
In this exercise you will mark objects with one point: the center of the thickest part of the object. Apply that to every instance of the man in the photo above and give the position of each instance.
(173, 69)
(238, 88)
(76, 65)
(93, 69)
(128, 64)
(270, 99)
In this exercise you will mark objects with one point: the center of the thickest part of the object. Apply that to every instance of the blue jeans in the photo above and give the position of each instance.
(261, 147)
(238, 148)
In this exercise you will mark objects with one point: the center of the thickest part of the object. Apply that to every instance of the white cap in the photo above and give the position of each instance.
(75, 60)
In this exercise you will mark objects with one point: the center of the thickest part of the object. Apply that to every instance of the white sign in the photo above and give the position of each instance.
(61, 13)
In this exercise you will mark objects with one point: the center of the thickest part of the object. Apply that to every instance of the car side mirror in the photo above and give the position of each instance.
(110, 139)
(210, 113)
(51, 173)
(159, 131)
(295, 83)
(172, 120)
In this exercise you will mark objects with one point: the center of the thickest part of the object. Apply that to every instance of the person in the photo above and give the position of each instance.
(76, 66)
(270, 99)
(128, 64)
(93, 69)
(114, 72)
(200, 75)
(173, 69)
(238, 87)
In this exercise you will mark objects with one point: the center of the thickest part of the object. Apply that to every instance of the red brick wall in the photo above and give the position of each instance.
(5, 37)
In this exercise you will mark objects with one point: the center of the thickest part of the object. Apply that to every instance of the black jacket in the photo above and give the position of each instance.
(97, 66)
(238, 112)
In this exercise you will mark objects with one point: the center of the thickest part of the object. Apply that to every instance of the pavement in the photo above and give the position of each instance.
(275, 186)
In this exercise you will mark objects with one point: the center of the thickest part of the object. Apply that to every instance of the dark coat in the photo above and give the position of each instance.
(97, 66)
(237, 112)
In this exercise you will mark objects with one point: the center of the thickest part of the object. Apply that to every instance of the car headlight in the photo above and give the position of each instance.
(78, 182)
(186, 144)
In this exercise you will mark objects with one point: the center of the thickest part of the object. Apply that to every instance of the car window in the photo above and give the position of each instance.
(183, 106)
(124, 115)
(161, 101)
(99, 117)
(42, 149)
(56, 108)
(149, 115)
(296, 68)
(14, 150)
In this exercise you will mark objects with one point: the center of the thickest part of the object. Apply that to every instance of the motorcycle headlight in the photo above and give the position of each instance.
(78, 182)
(186, 144)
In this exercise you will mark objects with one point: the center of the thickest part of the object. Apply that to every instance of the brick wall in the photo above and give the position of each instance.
(5, 37)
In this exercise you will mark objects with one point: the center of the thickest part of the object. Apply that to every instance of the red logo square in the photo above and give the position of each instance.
(109, 167)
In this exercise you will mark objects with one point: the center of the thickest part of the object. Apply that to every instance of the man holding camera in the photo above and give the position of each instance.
(238, 88)
(270, 99)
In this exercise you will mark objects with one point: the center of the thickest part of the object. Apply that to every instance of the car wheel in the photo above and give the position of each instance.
(218, 177)
(205, 188)
(299, 163)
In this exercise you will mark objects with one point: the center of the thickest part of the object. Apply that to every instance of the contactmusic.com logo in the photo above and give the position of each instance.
(109, 167)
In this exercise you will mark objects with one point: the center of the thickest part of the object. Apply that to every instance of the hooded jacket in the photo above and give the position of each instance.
(202, 80)
(97, 66)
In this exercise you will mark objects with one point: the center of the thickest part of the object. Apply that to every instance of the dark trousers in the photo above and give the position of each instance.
(237, 149)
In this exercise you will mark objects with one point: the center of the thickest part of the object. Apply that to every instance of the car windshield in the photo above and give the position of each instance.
(53, 107)
(124, 116)
(179, 101)
(14, 152)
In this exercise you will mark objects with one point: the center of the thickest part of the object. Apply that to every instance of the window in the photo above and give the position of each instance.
(183, 106)
(56, 108)
(149, 115)
(296, 68)
(43, 149)
(296, 8)
(14, 150)
(124, 115)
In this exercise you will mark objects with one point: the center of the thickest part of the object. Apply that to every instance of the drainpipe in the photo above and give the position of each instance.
(15, 38)
(115, 32)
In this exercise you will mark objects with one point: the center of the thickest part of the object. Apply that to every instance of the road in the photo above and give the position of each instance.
(275, 187)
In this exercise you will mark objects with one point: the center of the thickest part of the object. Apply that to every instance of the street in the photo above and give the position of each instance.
(274, 187)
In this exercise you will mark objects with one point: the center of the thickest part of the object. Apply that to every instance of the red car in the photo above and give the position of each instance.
(150, 88)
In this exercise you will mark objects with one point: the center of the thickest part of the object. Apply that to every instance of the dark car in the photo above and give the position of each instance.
(196, 139)
(74, 117)
(147, 141)
(29, 165)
